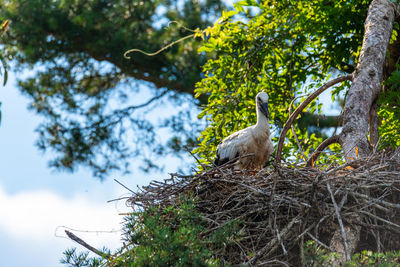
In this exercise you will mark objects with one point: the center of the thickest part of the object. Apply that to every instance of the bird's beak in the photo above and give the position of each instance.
(264, 109)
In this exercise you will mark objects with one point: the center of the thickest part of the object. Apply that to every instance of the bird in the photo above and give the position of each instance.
(252, 146)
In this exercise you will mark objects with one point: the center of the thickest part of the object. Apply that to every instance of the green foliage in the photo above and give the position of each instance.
(368, 258)
(315, 255)
(72, 258)
(4, 71)
(84, 87)
(173, 236)
(389, 112)
(278, 47)
(390, 125)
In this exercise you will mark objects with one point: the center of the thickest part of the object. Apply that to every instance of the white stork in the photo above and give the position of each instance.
(252, 145)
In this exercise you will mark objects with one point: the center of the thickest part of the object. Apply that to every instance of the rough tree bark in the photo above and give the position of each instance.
(367, 80)
(360, 111)
(360, 114)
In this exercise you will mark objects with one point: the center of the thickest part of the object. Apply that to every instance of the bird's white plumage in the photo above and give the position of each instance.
(252, 145)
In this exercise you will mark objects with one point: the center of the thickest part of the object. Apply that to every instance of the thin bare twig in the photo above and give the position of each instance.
(121, 184)
(319, 242)
(268, 263)
(327, 142)
(86, 245)
(274, 241)
(339, 217)
(380, 219)
(300, 109)
(294, 132)
(270, 205)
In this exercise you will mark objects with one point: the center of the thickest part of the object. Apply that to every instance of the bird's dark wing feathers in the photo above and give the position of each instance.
(218, 161)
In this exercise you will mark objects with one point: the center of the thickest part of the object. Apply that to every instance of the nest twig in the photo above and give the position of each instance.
(278, 210)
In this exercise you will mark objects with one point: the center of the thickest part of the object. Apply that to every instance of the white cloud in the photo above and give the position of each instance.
(33, 217)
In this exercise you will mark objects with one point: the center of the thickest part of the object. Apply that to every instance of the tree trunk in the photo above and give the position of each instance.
(360, 113)
(367, 79)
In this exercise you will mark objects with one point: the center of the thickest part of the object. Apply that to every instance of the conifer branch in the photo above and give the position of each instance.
(86, 245)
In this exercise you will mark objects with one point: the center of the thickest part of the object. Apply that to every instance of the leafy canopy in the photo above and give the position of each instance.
(85, 89)
(285, 48)
(172, 236)
(276, 46)
(3, 71)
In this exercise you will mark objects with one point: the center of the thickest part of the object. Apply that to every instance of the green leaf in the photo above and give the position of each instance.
(5, 78)
(247, 3)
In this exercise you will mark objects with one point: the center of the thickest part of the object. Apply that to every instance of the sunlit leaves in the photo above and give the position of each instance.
(389, 112)
(4, 66)
(175, 235)
(283, 46)
(75, 49)
(3, 71)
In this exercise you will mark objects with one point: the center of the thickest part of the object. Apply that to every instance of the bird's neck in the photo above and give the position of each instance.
(262, 121)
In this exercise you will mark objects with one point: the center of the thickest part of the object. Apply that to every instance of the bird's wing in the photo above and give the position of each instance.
(231, 146)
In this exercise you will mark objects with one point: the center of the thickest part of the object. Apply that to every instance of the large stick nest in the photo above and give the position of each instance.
(280, 209)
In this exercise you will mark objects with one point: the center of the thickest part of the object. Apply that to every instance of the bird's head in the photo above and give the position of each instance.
(262, 103)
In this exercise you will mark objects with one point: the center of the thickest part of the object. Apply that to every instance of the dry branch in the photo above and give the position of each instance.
(279, 210)
(293, 130)
(84, 244)
(327, 142)
(300, 109)
(339, 218)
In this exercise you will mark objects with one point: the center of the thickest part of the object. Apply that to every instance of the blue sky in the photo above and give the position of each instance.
(36, 202)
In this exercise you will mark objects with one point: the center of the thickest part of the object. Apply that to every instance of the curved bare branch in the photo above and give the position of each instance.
(327, 142)
(301, 107)
(294, 132)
